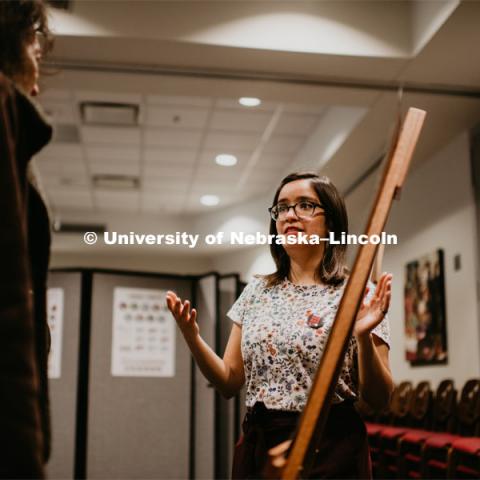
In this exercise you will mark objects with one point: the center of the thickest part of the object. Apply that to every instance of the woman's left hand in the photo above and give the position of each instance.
(371, 313)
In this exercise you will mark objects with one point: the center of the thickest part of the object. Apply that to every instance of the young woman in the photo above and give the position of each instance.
(24, 245)
(281, 325)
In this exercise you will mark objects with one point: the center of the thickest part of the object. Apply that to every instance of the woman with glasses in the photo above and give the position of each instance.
(281, 323)
(24, 245)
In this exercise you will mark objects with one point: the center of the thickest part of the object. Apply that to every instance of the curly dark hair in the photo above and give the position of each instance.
(20, 20)
(332, 269)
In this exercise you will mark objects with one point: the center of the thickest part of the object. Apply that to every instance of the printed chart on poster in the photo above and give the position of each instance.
(143, 340)
(55, 324)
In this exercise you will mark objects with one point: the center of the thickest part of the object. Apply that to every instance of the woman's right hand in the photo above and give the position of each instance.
(186, 319)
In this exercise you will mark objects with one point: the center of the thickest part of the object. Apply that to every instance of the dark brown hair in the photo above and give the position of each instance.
(19, 22)
(332, 269)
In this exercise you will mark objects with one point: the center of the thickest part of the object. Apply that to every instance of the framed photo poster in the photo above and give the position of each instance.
(425, 312)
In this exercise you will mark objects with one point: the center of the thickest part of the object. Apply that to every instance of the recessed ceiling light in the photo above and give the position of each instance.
(249, 101)
(226, 160)
(209, 200)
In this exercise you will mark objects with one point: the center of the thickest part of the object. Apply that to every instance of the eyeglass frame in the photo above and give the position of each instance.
(315, 205)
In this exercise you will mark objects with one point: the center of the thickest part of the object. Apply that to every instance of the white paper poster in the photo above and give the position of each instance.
(55, 324)
(143, 338)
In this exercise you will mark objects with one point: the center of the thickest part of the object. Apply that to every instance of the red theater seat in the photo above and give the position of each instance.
(439, 452)
(418, 418)
(464, 461)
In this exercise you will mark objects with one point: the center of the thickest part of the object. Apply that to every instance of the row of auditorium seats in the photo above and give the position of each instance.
(425, 434)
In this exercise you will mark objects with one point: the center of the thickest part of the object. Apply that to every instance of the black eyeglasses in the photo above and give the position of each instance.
(302, 209)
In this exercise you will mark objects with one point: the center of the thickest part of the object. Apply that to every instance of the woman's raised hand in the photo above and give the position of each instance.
(184, 317)
(371, 312)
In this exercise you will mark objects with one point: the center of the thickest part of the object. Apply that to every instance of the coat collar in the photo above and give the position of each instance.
(35, 125)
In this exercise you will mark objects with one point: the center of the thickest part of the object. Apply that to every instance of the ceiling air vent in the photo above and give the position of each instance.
(116, 182)
(111, 114)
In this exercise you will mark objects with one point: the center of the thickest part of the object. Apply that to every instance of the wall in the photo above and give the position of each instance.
(437, 210)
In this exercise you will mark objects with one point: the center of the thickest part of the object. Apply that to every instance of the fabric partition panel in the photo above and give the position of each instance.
(64, 310)
(139, 384)
(475, 169)
(242, 409)
(206, 303)
(227, 409)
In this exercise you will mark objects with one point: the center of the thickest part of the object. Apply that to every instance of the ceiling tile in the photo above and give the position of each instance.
(163, 199)
(170, 209)
(216, 172)
(70, 197)
(65, 190)
(262, 189)
(172, 138)
(113, 154)
(153, 185)
(60, 112)
(284, 144)
(95, 96)
(110, 135)
(167, 171)
(239, 121)
(307, 109)
(232, 103)
(215, 140)
(176, 117)
(200, 188)
(293, 124)
(117, 200)
(66, 181)
(119, 168)
(48, 167)
(63, 151)
(167, 157)
(276, 160)
(207, 157)
(179, 100)
(264, 173)
(193, 205)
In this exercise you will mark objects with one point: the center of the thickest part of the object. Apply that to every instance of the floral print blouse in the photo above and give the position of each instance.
(284, 332)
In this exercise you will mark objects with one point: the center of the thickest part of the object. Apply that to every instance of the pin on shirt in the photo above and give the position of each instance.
(314, 321)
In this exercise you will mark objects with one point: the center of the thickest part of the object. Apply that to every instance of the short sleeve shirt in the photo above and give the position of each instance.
(284, 332)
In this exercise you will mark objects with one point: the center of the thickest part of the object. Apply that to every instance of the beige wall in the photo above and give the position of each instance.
(437, 210)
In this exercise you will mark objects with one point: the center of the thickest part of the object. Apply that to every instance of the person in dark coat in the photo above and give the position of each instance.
(24, 246)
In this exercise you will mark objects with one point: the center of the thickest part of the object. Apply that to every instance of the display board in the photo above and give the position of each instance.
(139, 382)
(127, 400)
(64, 311)
(228, 410)
(242, 409)
(206, 303)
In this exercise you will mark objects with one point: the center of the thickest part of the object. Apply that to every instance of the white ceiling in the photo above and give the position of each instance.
(172, 151)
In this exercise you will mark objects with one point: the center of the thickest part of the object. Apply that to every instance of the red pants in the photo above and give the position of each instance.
(343, 449)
